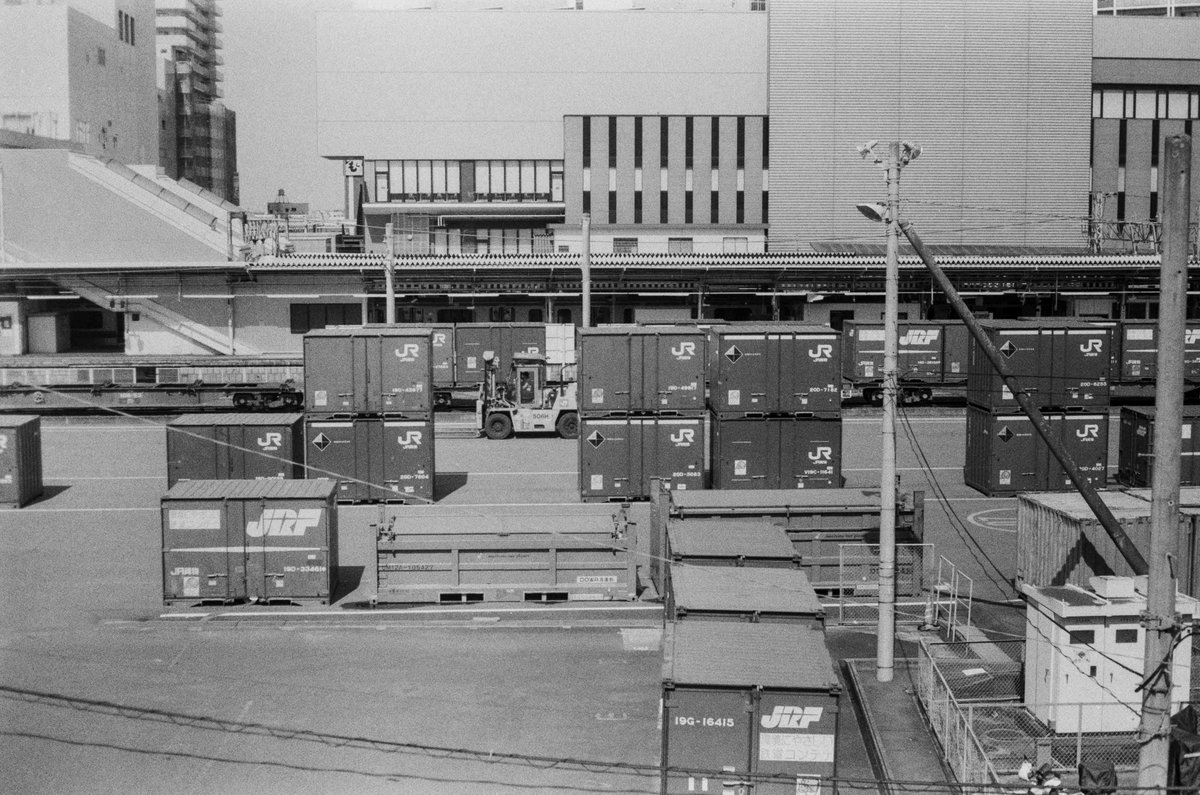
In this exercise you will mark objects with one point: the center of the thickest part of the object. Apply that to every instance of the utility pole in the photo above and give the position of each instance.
(585, 262)
(389, 275)
(899, 155)
(1160, 620)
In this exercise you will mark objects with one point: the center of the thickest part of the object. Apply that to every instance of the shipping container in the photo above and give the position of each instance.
(774, 369)
(375, 370)
(619, 455)
(1135, 456)
(1060, 540)
(235, 447)
(1137, 355)
(20, 459)
(456, 554)
(226, 540)
(472, 340)
(1005, 455)
(1059, 363)
(928, 351)
(642, 369)
(745, 700)
(373, 459)
(818, 522)
(441, 345)
(776, 452)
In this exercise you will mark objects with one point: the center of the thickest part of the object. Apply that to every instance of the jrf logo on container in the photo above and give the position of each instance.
(284, 522)
(684, 351)
(920, 336)
(792, 717)
(408, 352)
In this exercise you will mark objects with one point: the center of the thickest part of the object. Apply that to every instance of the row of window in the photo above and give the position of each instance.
(682, 245)
(309, 317)
(126, 28)
(689, 215)
(1145, 103)
(1148, 8)
(468, 180)
(1087, 637)
(664, 140)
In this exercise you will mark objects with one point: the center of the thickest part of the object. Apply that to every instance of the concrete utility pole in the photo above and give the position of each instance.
(899, 155)
(389, 275)
(585, 262)
(1161, 622)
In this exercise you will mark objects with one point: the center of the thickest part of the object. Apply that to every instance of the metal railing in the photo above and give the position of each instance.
(972, 697)
(854, 598)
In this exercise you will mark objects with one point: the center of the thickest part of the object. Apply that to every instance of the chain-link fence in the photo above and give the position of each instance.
(855, 600)
(972, 696)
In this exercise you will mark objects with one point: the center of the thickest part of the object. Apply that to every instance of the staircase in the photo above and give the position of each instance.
(169, 319)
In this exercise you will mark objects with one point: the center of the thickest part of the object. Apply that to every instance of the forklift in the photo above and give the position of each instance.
(527, 401)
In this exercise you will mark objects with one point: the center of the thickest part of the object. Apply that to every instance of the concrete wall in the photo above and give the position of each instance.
(388, 81)
(997, 94)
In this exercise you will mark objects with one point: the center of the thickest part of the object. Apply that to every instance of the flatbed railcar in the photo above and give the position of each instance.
(82, 382)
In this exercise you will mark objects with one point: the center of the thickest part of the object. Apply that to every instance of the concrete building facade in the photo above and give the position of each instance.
(79, 74)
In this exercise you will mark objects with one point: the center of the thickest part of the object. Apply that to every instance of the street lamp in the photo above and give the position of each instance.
(898, 155)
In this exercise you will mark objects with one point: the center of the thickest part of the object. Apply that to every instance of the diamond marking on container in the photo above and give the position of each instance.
(321, 442)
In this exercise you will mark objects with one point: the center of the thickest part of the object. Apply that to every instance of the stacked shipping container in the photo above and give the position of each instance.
(1063, 366)
(369, 399)
(775, 397)
(641, 408)
(235, 447)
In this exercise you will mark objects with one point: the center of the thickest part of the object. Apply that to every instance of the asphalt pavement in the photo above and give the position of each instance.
(105, 690)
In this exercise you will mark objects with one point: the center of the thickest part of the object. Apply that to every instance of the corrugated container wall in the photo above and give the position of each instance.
(642, 370)
(776, 452)
(1135, 457)
(382, 370)
(373, 459)
(249, 539)
(235, 447)
(774, 370)
(1060, 541)
(619, 455)
(20, 459)
(1005, 455)
(747, 700)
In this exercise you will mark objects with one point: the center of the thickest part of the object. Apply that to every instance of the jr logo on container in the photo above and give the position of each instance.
(792, 717)
(683, 437)
(410, 440)
(283, 522)
(270, 441)
(439, 338)
(1089, 431)
(1092, 346)
(821, 455)
(821, 353)
(408, 352)
(684, 350)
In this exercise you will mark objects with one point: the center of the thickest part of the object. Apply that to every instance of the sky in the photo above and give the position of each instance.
(270, 82)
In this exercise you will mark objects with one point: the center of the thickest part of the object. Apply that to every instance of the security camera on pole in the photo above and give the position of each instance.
(899, 154)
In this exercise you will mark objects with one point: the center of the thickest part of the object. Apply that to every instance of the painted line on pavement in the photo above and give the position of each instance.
(102, 428)
(505, 474)
(76, 510)
(70, 478)
(907, 469)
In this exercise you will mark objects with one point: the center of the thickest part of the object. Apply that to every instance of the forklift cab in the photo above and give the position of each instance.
(527, 391)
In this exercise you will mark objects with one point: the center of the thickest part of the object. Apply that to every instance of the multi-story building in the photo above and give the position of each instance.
(199, 134)
(79, 74)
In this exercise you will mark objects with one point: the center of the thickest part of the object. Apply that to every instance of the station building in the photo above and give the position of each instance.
(713, 148)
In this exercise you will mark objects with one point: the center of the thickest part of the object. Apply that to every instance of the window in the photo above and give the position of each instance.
(1127, 636)
(612, 141)
(381, 187)
(1083, 637)
(688, 143)
(562, 316)
(637, 142)
(587, 141)
(741, 142)
(625, 245)
(679, 245)
(535, 316)
(735, 245)
(716, 140)
(663, 141)
(306, 317)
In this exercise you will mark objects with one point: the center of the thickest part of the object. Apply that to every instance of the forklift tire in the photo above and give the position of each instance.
(498, 426)
(568, 426)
